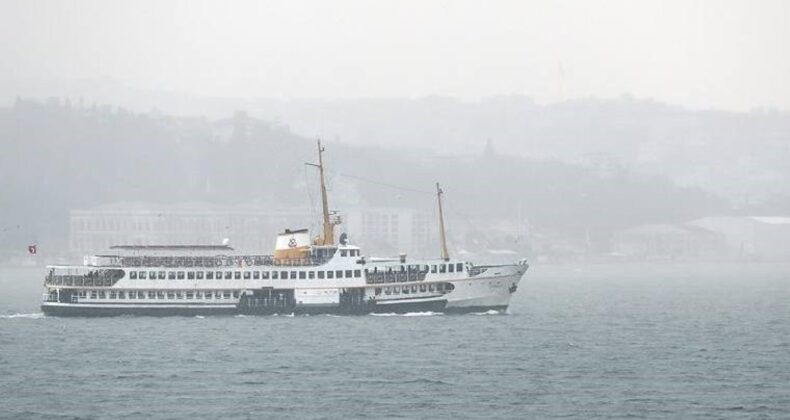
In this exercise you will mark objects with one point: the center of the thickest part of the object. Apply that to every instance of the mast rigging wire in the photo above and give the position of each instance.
(384, 184)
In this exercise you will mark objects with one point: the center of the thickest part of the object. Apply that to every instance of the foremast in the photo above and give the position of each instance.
(328, 235)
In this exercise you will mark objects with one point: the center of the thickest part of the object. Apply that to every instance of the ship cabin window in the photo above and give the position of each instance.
(387, 291)
(131, 295)
(339, 274)
(228, 275)
(236, 293)
(113, 295)
(160, 295)
(226, 294)
(343, 253)
(140, 295)
(256, 275)
(171, 295)
(190, 295)
(247, 275)
(440, 287)
(311, 275)
(293, 275)
(209, 275)
(274, 275)
(357, 273)
(451, 267)
(414, 289)
(430, 287)
(102, 294)
(208, 295)
(151, 295)
(330, 274)
(302, 275)
(171, 275)
(443, 268)
(396, 290)
(264, 275)
(181, 275)
(218, 275)
(152, 275)
(161, 275)
(406, 289)
(94, 294)
(142, 275)
(348, 274)
(199, 275)
(133, 275)
(320, 274)
(284, 275)
(190, 275)
(237, 275)
(459, 267)
(433, 268)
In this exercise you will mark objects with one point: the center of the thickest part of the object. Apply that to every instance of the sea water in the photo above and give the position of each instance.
(596, 341)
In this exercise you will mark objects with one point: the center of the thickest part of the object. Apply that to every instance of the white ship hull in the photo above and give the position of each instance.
(487, 293)
(489, 289)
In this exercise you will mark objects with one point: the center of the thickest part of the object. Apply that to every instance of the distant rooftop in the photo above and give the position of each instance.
(772, 220)
(174, 247)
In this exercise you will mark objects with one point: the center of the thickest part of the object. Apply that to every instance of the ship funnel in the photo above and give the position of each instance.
(292, 245)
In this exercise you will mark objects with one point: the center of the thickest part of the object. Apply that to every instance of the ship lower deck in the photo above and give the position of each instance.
(109, 310)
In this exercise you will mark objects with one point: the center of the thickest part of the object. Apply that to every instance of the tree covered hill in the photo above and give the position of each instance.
(58, 156)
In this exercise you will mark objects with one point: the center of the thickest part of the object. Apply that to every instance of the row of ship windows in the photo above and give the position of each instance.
(171, 294)
(255, 275)
(414, 289)
(246, 275)
(349, 253)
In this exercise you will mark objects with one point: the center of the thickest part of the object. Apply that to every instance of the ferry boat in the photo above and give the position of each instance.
(303, 276)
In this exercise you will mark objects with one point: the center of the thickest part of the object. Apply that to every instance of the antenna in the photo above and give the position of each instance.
(443, 237)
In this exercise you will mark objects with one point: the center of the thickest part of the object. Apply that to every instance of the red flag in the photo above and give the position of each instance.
(32, 249)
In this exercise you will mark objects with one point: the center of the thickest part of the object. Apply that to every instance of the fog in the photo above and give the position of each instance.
(701, 54)
(560, 131)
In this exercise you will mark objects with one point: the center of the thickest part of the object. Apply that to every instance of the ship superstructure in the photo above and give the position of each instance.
(303, 275)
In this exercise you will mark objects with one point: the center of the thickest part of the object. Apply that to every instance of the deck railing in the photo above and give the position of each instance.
(211, 261)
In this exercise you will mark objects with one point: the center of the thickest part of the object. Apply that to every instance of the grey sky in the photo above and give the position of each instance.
(719, 54)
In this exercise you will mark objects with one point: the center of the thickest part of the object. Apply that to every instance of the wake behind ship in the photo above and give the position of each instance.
(302, 276)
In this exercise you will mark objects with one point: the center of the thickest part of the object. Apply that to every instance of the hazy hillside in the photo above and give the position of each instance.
(59, 156)
(739, 155)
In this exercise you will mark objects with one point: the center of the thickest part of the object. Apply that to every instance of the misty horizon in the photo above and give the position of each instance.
(727, 55)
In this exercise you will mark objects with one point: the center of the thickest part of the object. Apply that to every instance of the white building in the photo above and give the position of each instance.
(762, 237)
(253, 228)
(389, 231)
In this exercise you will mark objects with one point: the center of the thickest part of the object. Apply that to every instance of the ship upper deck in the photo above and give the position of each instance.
(206, 256)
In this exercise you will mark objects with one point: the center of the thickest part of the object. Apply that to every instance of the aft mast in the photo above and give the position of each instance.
(328, 237)
(443, 237)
